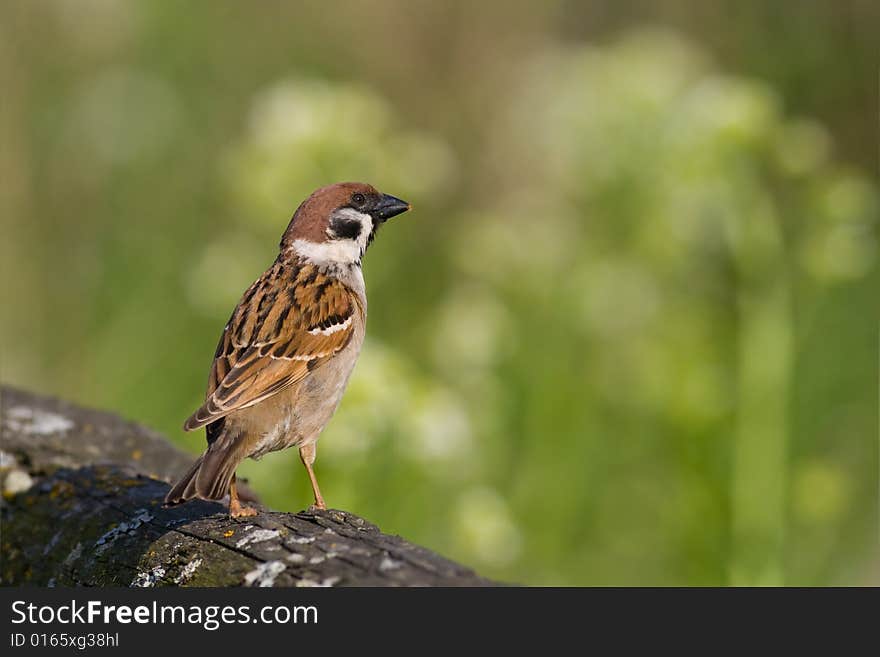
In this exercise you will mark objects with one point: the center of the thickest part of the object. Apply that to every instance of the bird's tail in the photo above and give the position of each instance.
(208, 478)
(185, 488)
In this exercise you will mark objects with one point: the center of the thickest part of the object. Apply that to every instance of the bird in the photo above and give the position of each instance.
(285, 356)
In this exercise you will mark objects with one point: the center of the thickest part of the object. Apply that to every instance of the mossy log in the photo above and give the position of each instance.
(82, 505)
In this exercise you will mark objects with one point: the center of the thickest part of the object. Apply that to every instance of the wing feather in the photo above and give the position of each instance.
(289, 322)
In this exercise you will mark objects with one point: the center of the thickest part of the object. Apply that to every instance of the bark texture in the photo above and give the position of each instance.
(82, 505)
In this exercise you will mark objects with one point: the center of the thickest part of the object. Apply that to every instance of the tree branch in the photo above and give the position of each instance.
(82, 505)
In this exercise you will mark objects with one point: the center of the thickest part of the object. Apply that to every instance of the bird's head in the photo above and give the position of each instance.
(334, 226)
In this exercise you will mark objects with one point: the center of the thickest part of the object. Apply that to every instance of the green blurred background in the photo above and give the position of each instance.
(628, 333)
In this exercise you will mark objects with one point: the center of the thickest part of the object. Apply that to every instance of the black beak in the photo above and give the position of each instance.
(389, 206)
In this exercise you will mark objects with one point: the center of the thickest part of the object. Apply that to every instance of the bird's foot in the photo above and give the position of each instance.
(236, 510)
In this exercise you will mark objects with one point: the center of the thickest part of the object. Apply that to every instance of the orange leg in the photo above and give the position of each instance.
(307, 455)
(236, 510)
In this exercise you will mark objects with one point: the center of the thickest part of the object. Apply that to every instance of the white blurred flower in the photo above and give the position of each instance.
(728, 109)
(472, 330)
(388, 398)
(484, 527)
(377, 395)
(565, 126)
(843, 244)
(303, 134)
(294, 112)
(521, 244)
(439, 429)
(420, 152)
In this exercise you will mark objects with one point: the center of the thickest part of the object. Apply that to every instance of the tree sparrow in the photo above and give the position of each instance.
(288, 350)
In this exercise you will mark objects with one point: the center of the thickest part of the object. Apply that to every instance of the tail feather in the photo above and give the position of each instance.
(215, 473)
(184, 489)
(208, 478)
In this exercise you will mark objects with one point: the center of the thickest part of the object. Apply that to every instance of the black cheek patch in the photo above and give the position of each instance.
(346, 228)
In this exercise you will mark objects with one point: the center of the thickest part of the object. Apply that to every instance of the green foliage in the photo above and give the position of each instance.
(626, 336)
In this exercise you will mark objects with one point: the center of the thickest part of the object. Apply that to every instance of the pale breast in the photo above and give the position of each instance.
(296, 416)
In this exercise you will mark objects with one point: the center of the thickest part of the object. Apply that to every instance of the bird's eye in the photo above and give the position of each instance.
(358, 199)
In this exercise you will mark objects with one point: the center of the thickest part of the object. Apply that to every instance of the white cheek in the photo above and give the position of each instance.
(366, 229)
(336, 252)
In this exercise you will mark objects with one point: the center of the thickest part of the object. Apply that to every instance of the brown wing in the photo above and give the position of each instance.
(287, 323)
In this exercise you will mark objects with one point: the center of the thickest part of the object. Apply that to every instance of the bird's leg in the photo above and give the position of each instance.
(307, 455)
(236, 510)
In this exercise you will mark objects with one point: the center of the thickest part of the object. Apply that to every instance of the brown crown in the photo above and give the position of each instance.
(310, 220)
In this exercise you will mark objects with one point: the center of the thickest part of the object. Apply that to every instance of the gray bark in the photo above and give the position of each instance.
(82, 505)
